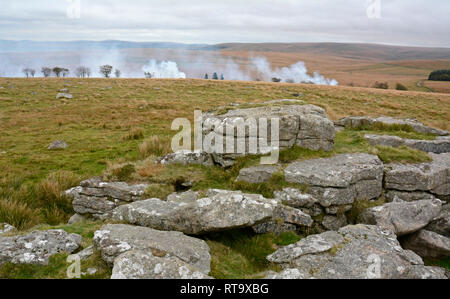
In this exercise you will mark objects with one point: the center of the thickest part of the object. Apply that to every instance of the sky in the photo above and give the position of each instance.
(398, 22)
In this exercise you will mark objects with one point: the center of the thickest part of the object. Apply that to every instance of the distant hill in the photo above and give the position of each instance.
(344, 50)
(33, 46)
(351, 51)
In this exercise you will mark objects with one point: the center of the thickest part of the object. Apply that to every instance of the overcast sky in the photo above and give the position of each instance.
(401, 22)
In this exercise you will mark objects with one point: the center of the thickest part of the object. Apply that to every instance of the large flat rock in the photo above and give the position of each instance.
(339, 180)
(98, 199)
(112, 240)
(37, 247)
(353, 252)
(438, 146)
(402, 217)
(432, 177)
(222, 210)
(364, 121)
(139, 264)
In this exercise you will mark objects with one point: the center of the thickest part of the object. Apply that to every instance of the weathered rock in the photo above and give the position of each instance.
(139, 264)
(275, 227)
(113, 240)
(85, 253)
(187, 158)
(295, 198)
(183, 197)
(394, 195)
(354, 252)
(421, 272)
(64, 96)
(402, 217)
(222, 211)
(441, 224)
(257, 174)
(437, 146)
(292, 216)
(433, 177)
(334, 222)
(6, 228)
(64, 90)
(304, 125)
(339, 180)
(77, 218)
(58, 144)
(428, 244)
(363, 121)
(98, 199)
(285, 274)
(37, 247)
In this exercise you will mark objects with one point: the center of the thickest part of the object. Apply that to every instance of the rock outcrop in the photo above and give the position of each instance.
(441, 224)
(139, 264)
(302, 125)
(113, 240)
(432, 177)
(364, 121)
(37, 247)
(438, 146)
(402, 217)
(354, 252)
(98, 199)
(428, 244)
(339, 180)
(222, 210)
(187, 158)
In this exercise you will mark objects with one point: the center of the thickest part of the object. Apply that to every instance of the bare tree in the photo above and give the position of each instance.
(46, 71)
(118, 73)
(106, 70)
(27, 72)
(32, 72)
(65, 72)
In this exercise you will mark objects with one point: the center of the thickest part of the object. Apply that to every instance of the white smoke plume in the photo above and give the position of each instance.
(296, 73)
(163, 69)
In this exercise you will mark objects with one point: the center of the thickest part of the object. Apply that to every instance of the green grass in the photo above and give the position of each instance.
(402, 154)
(444, 263)
(110, 131)
(241, 254)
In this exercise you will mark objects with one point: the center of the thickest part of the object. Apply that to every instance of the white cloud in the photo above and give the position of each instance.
(407, 22)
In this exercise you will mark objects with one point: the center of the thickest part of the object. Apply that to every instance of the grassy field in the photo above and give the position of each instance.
(117, 127)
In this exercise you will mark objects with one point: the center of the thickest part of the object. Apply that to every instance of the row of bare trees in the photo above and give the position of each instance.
(80, 72)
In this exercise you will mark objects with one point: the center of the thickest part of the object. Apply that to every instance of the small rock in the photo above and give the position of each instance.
(85, 253)
(334, 222)
(77, 218)
(257, 174)
(64, 96)
(6, 228)
(58, 144)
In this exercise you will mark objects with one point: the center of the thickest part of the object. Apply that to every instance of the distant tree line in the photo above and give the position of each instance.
(440, 75)
(80, 72)
(215, 76)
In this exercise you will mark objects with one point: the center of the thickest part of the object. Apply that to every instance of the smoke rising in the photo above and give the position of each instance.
(296, 73)
(160, 63)
(163, 70)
